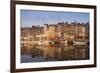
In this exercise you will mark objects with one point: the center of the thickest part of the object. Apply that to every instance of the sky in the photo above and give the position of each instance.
(36, 17)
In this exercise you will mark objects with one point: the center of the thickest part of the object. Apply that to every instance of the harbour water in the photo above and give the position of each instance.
(57, 52)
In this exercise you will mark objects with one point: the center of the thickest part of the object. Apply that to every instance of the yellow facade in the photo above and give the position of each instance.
(57, 32)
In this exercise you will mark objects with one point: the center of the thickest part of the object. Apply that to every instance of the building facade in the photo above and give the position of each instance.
(58, 33)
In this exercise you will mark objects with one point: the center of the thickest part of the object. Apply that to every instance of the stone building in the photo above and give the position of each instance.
(53, 33)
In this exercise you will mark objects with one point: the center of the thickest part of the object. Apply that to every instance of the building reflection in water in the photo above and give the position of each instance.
(55, 53)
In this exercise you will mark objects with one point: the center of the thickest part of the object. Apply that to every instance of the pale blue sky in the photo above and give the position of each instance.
(33, 17)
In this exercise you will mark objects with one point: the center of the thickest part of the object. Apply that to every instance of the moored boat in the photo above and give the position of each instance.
(79, 42)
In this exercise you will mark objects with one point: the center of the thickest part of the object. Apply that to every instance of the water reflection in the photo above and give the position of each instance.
(54, 53)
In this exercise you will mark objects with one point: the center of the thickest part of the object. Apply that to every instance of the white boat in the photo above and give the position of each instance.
(79, 42)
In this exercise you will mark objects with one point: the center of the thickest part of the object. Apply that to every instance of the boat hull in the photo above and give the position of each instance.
(79, 42)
